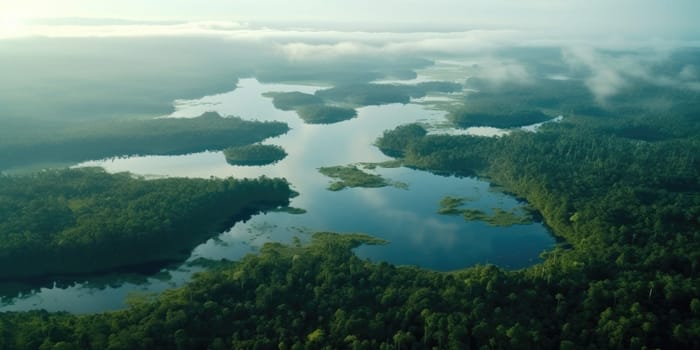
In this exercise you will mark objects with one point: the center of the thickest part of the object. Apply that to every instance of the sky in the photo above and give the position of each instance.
(662, 19)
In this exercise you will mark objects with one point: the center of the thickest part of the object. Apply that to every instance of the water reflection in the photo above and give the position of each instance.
(406, 218)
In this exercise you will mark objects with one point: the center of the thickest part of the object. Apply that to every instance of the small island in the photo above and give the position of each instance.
(255, 154)
(322, 114)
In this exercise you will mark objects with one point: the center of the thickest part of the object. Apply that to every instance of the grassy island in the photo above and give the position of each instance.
(500, 217)
(85, 220)
(256, 154)
(518, 216)
(351, 176)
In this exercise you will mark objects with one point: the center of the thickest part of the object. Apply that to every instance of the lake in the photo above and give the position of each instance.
(406, 217)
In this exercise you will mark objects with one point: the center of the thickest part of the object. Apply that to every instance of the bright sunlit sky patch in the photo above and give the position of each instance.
(664, 19)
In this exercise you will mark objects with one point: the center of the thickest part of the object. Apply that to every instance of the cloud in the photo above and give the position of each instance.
(299, 51)
(608, 73)
(605, 80)
(605, 74)
(499, 71)
(688, 73)
(103, 29)
(304, 45)
(328, 37)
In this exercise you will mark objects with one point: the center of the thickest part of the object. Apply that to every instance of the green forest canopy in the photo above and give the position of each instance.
(319, 114)
(627, 205)
(256, 154)
(53, 222)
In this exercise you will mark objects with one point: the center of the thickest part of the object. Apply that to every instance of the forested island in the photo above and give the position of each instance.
(84, 220)
(164, 136)
(319, 114)
(256, 154)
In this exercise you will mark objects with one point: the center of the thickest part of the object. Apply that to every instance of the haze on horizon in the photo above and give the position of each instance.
(607, 44)
(579, 18)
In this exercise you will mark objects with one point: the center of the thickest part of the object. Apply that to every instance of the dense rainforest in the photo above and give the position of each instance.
(626, 278)
(85, 220)
(618, 182)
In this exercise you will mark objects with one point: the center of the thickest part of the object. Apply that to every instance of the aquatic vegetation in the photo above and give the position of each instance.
(351, 176)
(501, 218)
(450, 206)
(290, 210)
